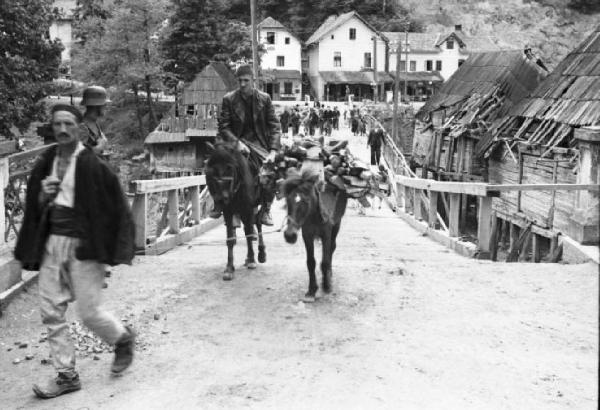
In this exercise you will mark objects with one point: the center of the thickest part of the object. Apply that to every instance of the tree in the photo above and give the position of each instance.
(28, 60)
(125, 54)
(89, 17)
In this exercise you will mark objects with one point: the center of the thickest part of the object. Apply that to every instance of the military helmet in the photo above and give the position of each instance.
(94, 95)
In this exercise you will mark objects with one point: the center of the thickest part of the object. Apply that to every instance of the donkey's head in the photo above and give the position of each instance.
(223, 174)
(301, 199)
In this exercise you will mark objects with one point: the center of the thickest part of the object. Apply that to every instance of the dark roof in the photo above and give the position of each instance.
(430, 42)
(354, 77)
(281, 74)
(424, 76)
(270, 22)
(571, 93)
(164, 137)
(332, 22)
(512, 72)
(226, 74)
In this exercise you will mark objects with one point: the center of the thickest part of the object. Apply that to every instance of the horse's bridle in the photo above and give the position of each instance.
(234, 183)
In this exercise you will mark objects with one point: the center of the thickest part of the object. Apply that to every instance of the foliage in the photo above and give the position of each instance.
(124, 53)
(585, 6)
(28, 60)
(88, 18)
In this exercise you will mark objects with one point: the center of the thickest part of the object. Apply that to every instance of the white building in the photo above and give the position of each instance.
(341, 59)
(434, 57)
(281, 65)
(62, 26)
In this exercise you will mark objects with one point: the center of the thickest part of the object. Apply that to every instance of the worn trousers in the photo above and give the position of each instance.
(63, 279)
(375, 155)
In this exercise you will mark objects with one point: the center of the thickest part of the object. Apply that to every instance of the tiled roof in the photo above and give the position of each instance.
(270, 22)
(333, 22)
(429, 42)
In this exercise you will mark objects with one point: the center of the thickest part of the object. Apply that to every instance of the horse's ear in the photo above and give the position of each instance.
(211, 147)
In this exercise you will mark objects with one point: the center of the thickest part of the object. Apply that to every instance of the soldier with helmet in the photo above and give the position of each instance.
(94, 100)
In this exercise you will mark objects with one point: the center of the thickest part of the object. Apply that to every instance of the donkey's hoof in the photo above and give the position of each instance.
(262, 257)
(250, 264)
(228, 273)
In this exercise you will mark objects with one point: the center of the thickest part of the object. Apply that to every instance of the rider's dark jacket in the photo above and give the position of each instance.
(234, 121)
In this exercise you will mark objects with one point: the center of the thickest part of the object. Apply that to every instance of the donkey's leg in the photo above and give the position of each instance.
(334, 234)
(309, 245)
(231, 241)
(327, 242)
(249, 231)
(262, 250)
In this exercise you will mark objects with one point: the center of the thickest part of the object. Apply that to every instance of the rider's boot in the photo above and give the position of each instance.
(266, 218)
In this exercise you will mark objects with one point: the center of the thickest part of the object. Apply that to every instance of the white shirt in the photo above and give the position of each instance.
(66, 189)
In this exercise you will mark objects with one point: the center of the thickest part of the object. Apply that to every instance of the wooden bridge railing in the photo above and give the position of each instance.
(183, 219)
(420, 198)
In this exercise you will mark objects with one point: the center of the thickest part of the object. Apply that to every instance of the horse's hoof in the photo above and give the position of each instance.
(262, 257)
(228, 274)
(308, 298)
(250, 265)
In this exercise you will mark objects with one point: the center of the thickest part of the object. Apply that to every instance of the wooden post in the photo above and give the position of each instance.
(418, 209)
(375, 73)
(395, 124)
(494, 238)
(484, 223)
(139, 209)
(408, 201)
(195, 199)
(524, 255)
(463, 210)
(553, 244)
(520, 181)
(535, 243)
(454, 216)
(433, 202)
(254, 42)
(513, 237)
(4, 178)
(173, 204)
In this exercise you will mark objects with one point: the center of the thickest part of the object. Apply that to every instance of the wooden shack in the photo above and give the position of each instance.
(553, 137)
(178, 145)
(470, 104)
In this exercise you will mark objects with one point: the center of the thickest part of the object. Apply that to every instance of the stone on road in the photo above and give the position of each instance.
(409, 325)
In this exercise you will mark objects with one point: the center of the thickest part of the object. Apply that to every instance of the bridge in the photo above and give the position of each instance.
(410, 323)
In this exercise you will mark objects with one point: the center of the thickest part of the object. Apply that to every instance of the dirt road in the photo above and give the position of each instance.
(409, 325)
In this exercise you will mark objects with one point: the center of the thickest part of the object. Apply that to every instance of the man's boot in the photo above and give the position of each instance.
(63, 383)
(216, 211)
(124, 351)
(266, 218)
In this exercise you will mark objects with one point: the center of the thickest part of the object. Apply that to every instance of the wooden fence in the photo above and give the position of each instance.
(419, 200)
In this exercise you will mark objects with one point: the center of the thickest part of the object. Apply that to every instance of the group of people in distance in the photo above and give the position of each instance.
(309, 119)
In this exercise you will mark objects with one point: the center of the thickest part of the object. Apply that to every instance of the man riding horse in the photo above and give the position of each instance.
(248, 124)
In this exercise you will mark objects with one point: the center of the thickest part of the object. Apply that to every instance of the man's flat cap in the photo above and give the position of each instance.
(70, 108)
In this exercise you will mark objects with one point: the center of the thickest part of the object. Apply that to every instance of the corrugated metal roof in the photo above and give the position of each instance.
(354, 77)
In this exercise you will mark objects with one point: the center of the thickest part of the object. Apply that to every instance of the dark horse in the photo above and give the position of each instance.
(233, 183)
(318, 209)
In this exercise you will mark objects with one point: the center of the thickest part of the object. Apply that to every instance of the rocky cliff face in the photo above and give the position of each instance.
(549, 27)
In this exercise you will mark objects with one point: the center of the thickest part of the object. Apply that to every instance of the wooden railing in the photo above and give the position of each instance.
(183, 213)
(182, 123)
(419, 199)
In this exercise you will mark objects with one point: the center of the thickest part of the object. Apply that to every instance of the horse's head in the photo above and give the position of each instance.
(301, 199)
(222, 174)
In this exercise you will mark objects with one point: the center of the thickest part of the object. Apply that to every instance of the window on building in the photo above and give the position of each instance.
(367, 63)
(191, 109)
(270, 37)
(429, 65)
(402, 65)
(438, 65)
(287, 40)
(461, 62)
(337, 59)
(352, 34)
(332, 36)
(450, 44)
(287, 87)
(413, 65)
(275, 88)
(280, 61)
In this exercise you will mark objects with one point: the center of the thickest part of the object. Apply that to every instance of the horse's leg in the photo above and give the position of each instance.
(327, 242)
(262, 250)
(309, 245)
(249, 231)
(229, 269)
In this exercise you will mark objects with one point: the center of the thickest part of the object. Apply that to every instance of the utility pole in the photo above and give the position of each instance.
(254, 42)
(406, 65)
(396, 91)
(375, 74)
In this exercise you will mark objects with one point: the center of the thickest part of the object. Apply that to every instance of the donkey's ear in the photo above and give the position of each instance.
(211, 147)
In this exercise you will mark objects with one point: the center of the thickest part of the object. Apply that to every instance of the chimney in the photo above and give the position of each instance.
(458, 27)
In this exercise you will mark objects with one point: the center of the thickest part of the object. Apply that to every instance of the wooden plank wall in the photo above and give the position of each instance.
(181, 156)
(536, 205)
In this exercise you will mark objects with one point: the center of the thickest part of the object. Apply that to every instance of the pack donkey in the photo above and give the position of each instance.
(316, 208)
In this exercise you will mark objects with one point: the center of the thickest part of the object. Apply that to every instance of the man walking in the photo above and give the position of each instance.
(248, 121)
(284, 120)
(375, 141)
(94, 100)
(76, 220)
